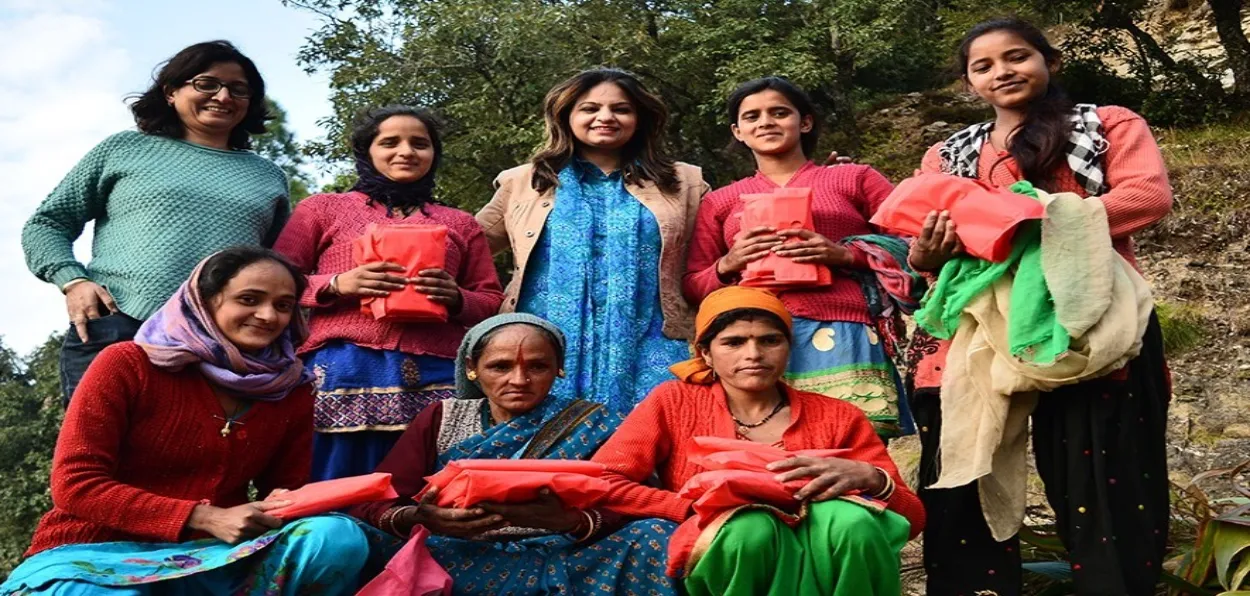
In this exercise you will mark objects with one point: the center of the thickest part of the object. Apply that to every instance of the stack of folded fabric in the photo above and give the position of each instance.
(737, 475)
(1064, 307)
(467, 482)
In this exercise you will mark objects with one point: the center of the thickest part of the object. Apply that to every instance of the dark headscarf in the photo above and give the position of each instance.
(373, 183)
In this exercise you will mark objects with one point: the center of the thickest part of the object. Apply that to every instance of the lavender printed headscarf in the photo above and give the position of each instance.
(183, 333)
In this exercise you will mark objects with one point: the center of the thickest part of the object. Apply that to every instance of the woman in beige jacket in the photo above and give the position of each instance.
(598, 223)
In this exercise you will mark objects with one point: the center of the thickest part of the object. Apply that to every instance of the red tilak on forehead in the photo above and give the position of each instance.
(520, 350)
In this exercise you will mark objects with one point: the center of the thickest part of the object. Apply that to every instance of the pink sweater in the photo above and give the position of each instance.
(843, 200)
(318, 239)
(1139, 197)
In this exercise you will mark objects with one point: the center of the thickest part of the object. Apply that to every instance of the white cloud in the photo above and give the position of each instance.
(61, 87)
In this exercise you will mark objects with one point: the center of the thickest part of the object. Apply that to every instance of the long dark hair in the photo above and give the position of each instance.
(1040, 143)
(642, 158)
(794, 95)
(154, 115)
(372, 182)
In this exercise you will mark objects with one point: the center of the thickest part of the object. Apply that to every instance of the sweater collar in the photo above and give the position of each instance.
(798, 175)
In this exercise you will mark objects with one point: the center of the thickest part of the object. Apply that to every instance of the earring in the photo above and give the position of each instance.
(715, 376)
(561, 373)
(471, 375)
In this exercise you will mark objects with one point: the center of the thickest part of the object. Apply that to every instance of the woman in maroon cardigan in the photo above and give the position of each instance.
(374, 377)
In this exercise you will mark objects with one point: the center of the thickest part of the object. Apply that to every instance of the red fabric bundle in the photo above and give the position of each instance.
(413, 571)
(985, 217)
(738, 475)
(329, 495)
(782, 209)
(415, 247)
(467, 482)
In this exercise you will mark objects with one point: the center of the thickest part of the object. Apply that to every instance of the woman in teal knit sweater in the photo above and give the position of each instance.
(162, 198)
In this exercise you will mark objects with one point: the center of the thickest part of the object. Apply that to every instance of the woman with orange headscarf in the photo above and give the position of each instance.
(732, 389)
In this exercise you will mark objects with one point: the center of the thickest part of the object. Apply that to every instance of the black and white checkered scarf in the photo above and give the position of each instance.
(1086, 145)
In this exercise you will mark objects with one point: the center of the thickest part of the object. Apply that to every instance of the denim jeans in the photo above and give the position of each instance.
(76, 355)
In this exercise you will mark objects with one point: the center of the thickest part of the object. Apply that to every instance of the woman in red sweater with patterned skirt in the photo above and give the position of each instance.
(375, 376)
(1100, 445)
(843, 345)
(733, 389)
(163, 438)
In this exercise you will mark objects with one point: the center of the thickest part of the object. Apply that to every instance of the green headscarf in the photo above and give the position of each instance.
(466, 389)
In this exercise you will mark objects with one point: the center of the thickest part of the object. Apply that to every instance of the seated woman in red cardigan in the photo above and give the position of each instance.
(165, 435)
(733, 389)
(847, 332)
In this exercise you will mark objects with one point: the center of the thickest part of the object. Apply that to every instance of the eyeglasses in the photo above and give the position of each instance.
(210, 86)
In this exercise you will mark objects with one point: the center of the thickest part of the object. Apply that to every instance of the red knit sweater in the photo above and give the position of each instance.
(318, 239)
(657, 437)
(140, 447)
(1140, 196)
(844, 198)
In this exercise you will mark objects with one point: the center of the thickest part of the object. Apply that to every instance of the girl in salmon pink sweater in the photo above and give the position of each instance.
(1099, 444)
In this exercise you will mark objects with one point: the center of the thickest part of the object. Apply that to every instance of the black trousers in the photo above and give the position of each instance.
(1100, 451)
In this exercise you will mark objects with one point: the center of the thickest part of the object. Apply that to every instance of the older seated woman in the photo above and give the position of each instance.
(166, 434)
(504, 370)
(733, 390)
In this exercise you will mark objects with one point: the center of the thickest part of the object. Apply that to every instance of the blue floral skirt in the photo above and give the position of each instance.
(327, 554)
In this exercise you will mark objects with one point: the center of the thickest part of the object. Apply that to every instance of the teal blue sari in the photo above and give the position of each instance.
(628, 562)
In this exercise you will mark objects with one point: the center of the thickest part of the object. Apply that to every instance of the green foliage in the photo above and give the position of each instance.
(30, 415)
(1184, 326)
(279, 146)
(485, 66)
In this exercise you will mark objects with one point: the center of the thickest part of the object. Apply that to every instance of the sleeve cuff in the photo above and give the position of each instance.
(67, 274)
(172, 527)
(313, 294)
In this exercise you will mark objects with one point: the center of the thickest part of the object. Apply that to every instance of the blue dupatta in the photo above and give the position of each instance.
(595, 275)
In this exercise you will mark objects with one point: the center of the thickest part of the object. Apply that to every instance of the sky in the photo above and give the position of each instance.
(67, 66)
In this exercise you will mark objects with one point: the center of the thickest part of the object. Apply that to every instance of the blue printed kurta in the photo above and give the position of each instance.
(595, 274)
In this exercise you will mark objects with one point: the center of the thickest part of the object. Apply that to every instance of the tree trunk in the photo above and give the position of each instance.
(1227, 14)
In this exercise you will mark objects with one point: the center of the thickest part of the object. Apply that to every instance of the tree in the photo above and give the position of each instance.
(1227, 16)
(279, 146)
(30, 417)
(485, 65)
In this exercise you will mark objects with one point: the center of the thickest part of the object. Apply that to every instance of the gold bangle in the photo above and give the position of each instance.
(887, 490)
(334, 285)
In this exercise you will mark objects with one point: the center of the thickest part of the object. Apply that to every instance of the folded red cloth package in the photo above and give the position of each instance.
(985, 217)
(415, 247)
(330, 495)
(782, 209)
(467, 482)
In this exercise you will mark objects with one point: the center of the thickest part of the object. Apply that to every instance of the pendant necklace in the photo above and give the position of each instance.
(232, 420)
(744, 427)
